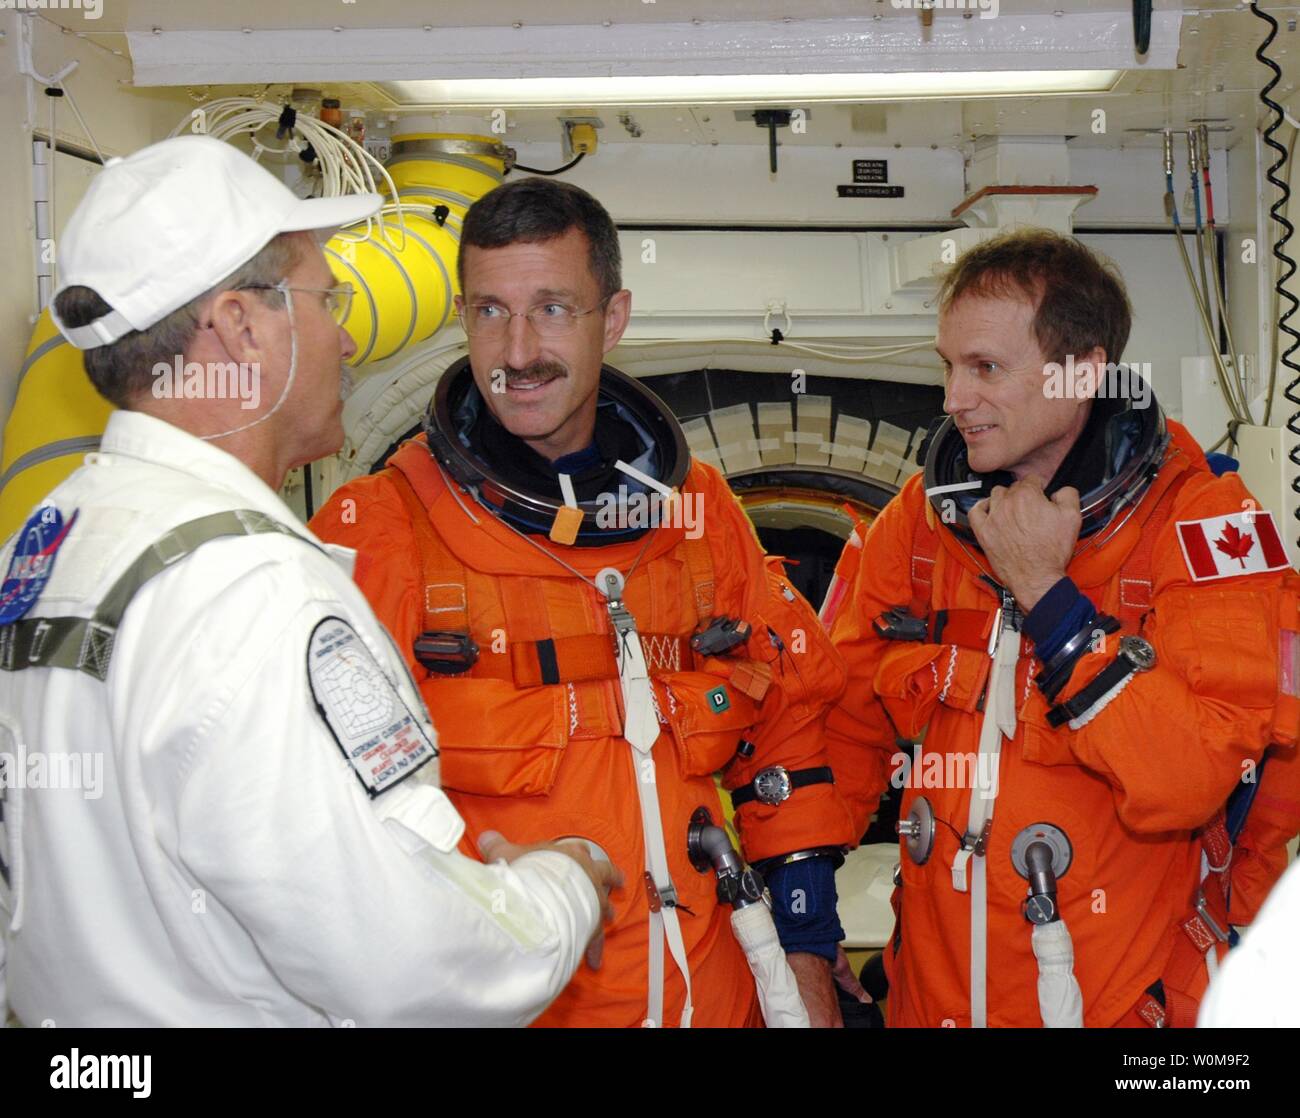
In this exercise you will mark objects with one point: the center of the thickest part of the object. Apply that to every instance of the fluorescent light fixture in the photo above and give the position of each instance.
(742, 89)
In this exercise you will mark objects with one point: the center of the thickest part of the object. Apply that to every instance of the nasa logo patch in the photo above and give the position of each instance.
(379, 735)
(33, 560)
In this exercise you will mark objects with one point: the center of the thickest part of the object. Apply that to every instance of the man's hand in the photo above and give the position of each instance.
(1027, 538)
(817, 989)
(604, 876)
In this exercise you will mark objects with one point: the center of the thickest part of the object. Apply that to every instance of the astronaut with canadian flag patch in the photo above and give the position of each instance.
(1242, 543)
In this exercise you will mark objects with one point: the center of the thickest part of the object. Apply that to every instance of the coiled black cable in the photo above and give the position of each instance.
(1278, 213)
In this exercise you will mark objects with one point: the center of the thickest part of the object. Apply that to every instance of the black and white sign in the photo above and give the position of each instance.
(871, 170)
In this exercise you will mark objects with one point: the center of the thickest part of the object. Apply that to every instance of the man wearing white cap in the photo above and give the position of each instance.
(220, 787)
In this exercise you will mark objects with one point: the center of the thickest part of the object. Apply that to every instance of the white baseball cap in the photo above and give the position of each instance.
(162, 226)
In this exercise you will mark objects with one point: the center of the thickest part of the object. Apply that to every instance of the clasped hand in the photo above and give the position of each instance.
(1027, 537)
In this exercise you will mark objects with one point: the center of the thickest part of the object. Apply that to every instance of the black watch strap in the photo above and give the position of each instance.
(1056, 672)
(799, 778)
(1107, 678)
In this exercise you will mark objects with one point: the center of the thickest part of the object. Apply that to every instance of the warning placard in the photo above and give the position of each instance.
(865, 190)
(871, 170)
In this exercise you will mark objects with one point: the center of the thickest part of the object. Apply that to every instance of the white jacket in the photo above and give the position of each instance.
(1258, 985)
(226, 865)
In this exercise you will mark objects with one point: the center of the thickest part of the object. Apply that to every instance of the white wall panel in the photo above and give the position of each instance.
(715, 284)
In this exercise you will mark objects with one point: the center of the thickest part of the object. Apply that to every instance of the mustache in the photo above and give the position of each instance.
(549, 369)
(346, 383)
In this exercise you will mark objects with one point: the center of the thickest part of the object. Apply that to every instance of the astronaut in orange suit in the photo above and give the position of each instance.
(1062, 640)
(592, 651)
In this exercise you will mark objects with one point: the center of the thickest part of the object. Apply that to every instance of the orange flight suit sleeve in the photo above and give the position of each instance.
(860, 735)
(807, 676)
(893, 685)
(1174, 740)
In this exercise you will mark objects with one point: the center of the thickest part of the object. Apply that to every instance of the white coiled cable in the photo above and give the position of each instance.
(345, 165)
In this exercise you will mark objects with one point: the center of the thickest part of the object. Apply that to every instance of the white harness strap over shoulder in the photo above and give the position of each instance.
(999, 722)
(664, 922)
(641, 730)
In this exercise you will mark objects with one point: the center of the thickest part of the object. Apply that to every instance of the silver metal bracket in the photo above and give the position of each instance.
(917, 831)
(1203, 911)
(978, 844)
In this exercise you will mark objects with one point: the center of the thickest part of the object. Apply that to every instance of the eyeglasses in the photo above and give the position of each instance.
(338, 300)
(550, 320)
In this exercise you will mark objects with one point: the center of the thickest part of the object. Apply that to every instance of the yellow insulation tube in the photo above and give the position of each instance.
(404, 294)
(405, 284)
(57, 420)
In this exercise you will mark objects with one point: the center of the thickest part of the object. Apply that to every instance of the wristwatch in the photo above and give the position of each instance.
(1136, 654)
(1140, 652)
(775, 784)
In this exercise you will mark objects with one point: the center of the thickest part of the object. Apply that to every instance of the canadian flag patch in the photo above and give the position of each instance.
(1244, 543)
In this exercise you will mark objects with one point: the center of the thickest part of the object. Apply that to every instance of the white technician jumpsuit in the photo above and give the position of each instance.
(265, 842)
(1258, 985)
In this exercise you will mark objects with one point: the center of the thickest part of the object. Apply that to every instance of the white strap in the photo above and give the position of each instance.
(677, 947)
(979, 944)
(654, 1010)
(641, 729)
(645, 479)
(640, 726)
(647, 794)
(959, 870)
(955, 487)
(567, 491)
(102, 331)
(664, 924)
(999, 722)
